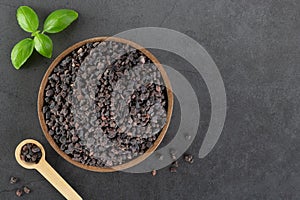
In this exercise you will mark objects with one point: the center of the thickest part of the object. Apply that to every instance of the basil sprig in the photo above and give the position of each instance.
(28, 20)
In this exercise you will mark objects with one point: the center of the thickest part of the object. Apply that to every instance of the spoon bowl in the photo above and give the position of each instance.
(29, 165)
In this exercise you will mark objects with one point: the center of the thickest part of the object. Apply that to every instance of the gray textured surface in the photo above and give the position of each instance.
(256, 45)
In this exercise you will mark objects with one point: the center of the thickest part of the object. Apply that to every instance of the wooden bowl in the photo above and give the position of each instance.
(134, 161)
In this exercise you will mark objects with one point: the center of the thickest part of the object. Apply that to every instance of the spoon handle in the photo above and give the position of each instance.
(57, 181)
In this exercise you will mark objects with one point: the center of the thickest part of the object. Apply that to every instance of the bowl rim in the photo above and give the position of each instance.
(132, 162)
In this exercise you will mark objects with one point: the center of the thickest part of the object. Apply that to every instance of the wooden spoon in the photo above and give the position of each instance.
(47, 171)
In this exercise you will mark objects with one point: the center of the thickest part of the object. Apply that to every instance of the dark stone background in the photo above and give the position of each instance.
(255, 44)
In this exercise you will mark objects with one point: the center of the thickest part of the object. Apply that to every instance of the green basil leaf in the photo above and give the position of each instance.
(59, 20)
(43, 44)
(27, 19)
(21, 52)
